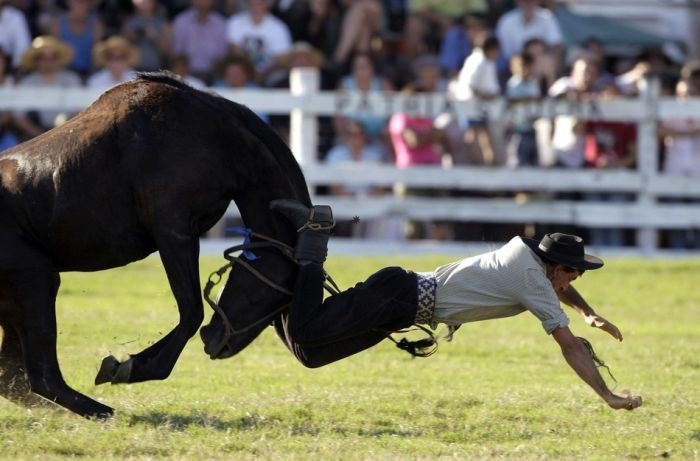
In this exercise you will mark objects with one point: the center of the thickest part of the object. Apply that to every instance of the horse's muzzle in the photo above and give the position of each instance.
(212, 335)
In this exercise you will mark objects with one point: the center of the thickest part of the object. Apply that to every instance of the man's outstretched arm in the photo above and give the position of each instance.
(579, 358)
(573, 298)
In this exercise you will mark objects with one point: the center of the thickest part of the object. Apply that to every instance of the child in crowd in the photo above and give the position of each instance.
(522, 87)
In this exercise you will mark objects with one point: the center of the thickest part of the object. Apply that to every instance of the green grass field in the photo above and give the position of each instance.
(500, 390)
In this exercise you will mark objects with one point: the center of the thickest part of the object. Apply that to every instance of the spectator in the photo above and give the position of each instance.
(478, 79)
(179, 65)
(235, 71)
(682, 142)
(323, 26)
(45, 61)
(303, 55)
(113, 14)
(355, 148)
(295, 14)
(523, 87)
(362, 20)
(430, 20)
(149, 30)
(199, 33)
(610, 145)
(650, 63)
(116, 57)
(363, 78)
(14, 33)
(8, 137)
(568, 139)
(81, 28)
(459, 42)
(259, 34)
(544, 66)
(526, 21)
(416, 140)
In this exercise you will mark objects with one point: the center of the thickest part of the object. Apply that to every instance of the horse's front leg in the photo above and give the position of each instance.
(180, 259)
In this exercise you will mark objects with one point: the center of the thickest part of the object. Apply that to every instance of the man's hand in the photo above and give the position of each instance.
(597, 321)
(628, 402)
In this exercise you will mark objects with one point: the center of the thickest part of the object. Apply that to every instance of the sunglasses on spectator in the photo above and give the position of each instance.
(116, 57)
(47, 57)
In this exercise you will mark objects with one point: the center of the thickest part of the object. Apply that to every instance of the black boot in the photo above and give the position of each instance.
(313, 225)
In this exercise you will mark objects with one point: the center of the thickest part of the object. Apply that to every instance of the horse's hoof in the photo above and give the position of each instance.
(107, 370)
(113, 371)
(104, 412)
(123, 372)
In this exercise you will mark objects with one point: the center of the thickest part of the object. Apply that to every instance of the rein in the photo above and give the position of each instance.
(242, 260)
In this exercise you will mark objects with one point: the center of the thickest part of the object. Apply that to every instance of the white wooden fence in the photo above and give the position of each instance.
(304, 102)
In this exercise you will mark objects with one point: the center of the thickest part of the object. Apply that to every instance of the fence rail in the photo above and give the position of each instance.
(304, 102)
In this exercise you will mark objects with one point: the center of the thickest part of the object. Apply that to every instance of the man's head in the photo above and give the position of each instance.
(564, 256)
(585, 73)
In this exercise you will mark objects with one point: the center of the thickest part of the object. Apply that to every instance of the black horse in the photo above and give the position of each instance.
(150, 166)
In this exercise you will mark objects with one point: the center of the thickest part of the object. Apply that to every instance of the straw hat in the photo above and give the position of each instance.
(302, 48)
(118, 44)
(44, 44)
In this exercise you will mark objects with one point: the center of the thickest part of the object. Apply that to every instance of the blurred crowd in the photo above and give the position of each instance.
(470, 49)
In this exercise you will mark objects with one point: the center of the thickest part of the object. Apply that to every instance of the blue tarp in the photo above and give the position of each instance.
(577, 28)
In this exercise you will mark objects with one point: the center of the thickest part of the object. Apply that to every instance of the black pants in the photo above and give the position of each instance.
(320, 332)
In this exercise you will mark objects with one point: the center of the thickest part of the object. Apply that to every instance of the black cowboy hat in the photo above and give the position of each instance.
(564, 249)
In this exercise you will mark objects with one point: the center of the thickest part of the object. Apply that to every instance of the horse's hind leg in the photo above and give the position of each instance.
(14, 384)
(35, 323)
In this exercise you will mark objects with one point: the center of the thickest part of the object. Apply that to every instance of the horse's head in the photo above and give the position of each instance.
(260, 169)
(255, 294)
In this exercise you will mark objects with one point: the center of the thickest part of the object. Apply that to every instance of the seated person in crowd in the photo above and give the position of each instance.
(149, 30)
(256, 32)
(45, 61)
(363, 78)
(80, 27)
(117, 58)
(200, 34)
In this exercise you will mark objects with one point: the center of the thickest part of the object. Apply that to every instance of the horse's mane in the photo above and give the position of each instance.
(265, 134)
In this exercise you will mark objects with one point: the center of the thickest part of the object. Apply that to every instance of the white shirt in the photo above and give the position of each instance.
(513, 32)
(14, 33)
(103, 79)
(263, 41)
(502, 283)
(682, 152)
(477, 73)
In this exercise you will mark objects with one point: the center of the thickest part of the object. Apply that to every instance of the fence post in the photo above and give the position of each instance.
(648, 159)
(303, 127)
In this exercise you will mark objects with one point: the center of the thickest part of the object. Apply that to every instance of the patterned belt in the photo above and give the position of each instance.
(427, 287)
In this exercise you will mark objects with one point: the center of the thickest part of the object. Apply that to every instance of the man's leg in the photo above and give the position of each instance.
(319, 332)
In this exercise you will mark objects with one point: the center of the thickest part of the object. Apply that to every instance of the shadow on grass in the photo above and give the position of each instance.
(254, 422)
(180, 422)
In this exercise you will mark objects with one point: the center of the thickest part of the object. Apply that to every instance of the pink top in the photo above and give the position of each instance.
(426, 154)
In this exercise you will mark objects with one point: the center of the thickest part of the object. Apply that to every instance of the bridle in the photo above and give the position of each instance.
(243, 259)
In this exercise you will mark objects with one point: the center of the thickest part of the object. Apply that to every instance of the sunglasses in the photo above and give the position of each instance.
(116, 57)
(47, 57)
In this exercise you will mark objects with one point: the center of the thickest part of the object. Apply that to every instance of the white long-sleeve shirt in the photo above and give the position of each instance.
(501, 283)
